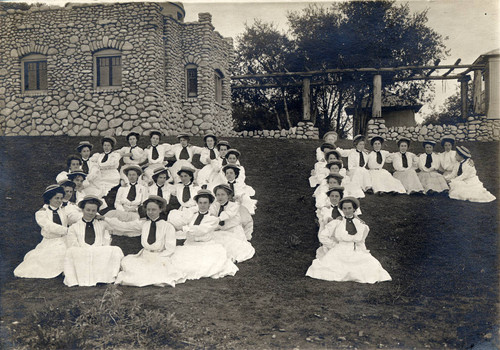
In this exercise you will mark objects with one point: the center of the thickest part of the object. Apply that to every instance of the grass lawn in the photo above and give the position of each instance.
(442, 255)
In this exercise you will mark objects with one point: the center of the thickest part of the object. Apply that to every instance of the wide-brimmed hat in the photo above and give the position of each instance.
(233, 151)
(223, 143)
(133, 133)
(135, 167)
(161, 170)
(356, 139)
(335, 176)
(335, 162)
(183, 135)
(335, 188)
(404, 139)
(204, 193)
(464, 152)
(354, 200)
(89, 198)
(231, 166)
(326, 145)
(210, 135)
(429, 142)
(74, 174)
(67, 183)
(337, 153)
(155, 132)
(53, 189)
(162, 202)
(448, 138)
(83, 144)
(330, 133)
(376, 138)
(186, 169)
(225, 187)
(109, 139)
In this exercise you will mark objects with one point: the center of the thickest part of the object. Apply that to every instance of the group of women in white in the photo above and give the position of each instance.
(342, 255)
(204, 236)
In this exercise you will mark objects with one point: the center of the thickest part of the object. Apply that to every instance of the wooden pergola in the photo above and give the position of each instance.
(307, 79)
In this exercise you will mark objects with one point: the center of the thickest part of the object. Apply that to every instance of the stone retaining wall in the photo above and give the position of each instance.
(303, 130)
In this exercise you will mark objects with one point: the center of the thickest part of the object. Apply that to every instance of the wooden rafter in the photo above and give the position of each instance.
(452, 68)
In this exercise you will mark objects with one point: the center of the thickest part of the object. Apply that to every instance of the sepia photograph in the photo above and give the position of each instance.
(260, 174)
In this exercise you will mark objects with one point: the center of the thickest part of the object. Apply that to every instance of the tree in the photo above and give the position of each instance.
(353, 34)
(451, 114)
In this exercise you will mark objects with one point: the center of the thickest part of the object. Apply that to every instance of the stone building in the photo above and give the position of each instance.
(100, 69)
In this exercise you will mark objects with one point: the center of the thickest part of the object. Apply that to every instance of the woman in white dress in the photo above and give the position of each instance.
(71, 210)
(131, 154)
(47, 259)
(347, 258)
(90, 258)
(321, 169)
(152, 265)
(463, 180)
(230, 231)
(317, 173)
(161, 186)
(186, 190)
(155, 154)
(107, 163)
(201, 256)
(130, 196)
(382, 180)
(84, 148)
(447, 159)
(331, 181)
(78, 177)
(183, 153)
(208, 155)
(428, 163)
(74, 163)
(356, 163)
(405, 163)
(89, 168)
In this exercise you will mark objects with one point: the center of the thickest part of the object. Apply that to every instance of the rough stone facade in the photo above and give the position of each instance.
(303, 130)
(475, 129)
(155, 49)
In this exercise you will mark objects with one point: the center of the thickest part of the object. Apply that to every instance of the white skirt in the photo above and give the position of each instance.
(432, 181)
(470, 190)
(344, 263)
(361, 177)
(87, 266)
(148, 268)
(45, 261)
(410, 180)
(236, 244)
(382, 181)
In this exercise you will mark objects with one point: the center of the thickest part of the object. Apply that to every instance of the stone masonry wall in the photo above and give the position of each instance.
(475, 129)
(154, 54)
(303, 130)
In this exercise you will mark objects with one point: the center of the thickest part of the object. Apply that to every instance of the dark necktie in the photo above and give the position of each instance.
(89, 233)
(152, 233)
(224, 162)
(131, 148)
(105, 158)
(231, 184)
(160, 191)
(405, 160)
(221, 209)
(184, 153)
(212, 154)
(379, 157)
(186, 194)
(361, 159)
(349, 227)
(199, 218)
(460, 169)
(335, 212)
(155, 154)
(56, 219)
(132, 193)
(85, 166)
(428, 161)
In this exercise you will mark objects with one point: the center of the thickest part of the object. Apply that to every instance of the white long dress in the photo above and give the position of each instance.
(382, 180)
(88, 264)
(347, 259)
(209, 171)
(108, 175)
(201, 256)
(407, 175)
(447, 161)
(467, 186)
(154, 164)
(359, 175)
(153, 264)
(230, 231)
(47, 259)
(430, 179)
(175, 151)
(138, 157)
(125, 209)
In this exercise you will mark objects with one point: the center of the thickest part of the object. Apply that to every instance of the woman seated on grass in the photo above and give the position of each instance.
(47, 259)
(208, 157)
(183, 153)
(131, 154)
(74, 163)
(447, 158)
(347, 258)
(90, 258)
(317, 173)
(432, 181)
(405, 163)
(107, 164)
(356, 162)
(463, 181)
(230, 231)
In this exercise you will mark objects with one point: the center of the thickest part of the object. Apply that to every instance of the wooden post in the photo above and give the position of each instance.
(377, 96)
(306, 98)
(477, 92)
(493, 87)
(464, 85)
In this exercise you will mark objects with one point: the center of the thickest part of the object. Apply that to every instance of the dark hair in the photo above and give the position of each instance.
(191, 174)
(155, 177)
(153, 200)
(210, 198)
(354, 205)
(341, 192)
(49, 195)
(212, 137)
(91, 201)
(236, 171)
(73, 157)
(228, 191)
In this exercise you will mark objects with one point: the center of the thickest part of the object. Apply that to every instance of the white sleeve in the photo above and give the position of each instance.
(49, 228)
